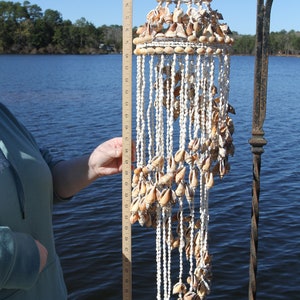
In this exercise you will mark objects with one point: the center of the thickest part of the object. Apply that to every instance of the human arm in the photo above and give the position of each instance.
(70, 176)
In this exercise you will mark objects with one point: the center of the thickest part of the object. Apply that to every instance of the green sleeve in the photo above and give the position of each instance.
(19, 260)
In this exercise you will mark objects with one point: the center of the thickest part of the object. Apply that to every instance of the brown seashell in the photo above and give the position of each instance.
(212, 39)
(159, 50)
(136, 191)
(166, 179)
(180, 175)
(142, 188)
(220, 39)
(190, 28)
(209, 180)
(203, 39)
(177, 15)
(193, 178)
(201, 50)
(171, 32)
(180, 32)
(150, 51)
(202, 290)
(179, 156)
(192, 38)
(210, 50)
(191, 296)
(166, 197)
(134, 206)
(189, 50)
(169, 50)
(142, 205)
(179, 50)
(157, 162)
(180, 191)
(175, 243)
(151, 195)
(206, 164)
(189, 193)
(134, 218)
(179, 288)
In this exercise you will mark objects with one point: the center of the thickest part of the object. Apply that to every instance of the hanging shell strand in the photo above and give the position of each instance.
(184, 137)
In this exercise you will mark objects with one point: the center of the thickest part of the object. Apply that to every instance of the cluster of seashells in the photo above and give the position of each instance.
(196, 30)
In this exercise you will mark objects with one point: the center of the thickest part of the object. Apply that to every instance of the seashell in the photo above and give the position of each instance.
(151, 195)
(169, 18)
(180, 191)
(179, 50)
(159, 35)
(135, 179)
(193, 178)
(172, 164)
(190, 28)
(189, 159)
(137, 40)
(134, 206)
(142, 205)
(169, 50)
(179, 156)
(212, 39)
(166, 179)
(180, 32)
(209, 50)
(192, 38)
(185, 19)
(189, 50)
(179, 288)
(157, 162)
(228, 40)
(177, 15)
(150, 51)
(175, 243)
(218, 51)
(135, 192)
(137, 170)
(202, 290)
(137, 51)
(209, 180)
(203, 39)
(171, 32)
(220, 39)
(222, 152)
(159, 50)
(201, 50)
(166, 197)
(191, 296)
(134, 218)
(206, 164)
(180, 175)
(143, 188)
(189, 193)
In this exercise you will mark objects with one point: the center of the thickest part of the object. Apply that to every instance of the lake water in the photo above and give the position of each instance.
(73, 103)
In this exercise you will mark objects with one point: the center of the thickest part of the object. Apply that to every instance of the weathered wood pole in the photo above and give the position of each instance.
(257, 141)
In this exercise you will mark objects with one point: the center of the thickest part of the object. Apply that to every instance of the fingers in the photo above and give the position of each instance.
(43, 255)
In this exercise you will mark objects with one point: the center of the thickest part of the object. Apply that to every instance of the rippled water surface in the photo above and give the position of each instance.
(72, 103)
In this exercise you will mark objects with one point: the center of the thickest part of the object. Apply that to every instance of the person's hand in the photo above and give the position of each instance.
(43, 255)
(106, 159)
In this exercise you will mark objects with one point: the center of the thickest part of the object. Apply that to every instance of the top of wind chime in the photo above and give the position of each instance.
(190, 28)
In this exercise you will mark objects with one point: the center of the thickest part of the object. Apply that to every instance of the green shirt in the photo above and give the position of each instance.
(26, 200)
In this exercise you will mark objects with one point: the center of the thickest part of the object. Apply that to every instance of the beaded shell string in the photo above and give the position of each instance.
(183, 137)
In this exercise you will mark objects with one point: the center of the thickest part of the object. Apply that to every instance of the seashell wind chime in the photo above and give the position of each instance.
(183, 137)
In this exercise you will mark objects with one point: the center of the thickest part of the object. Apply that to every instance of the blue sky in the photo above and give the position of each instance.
(240, 15)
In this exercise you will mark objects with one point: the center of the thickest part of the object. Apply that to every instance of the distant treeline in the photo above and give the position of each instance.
(25, 28)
